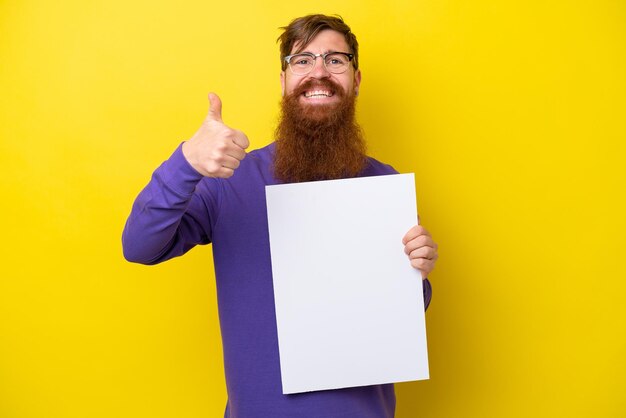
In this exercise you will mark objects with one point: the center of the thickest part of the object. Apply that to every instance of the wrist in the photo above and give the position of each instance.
(188, 150)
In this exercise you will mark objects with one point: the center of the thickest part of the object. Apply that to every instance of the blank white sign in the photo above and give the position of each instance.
(349, 306)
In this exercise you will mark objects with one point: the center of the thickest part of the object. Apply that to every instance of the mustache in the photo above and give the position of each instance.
(318, 83)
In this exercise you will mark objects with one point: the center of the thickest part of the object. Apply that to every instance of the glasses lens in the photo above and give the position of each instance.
(337, 63)
(301, 64)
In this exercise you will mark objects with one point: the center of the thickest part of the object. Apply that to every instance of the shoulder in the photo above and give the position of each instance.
(373, 167)
(265, 153)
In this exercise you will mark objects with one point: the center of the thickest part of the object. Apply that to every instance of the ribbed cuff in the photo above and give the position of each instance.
(178, 174)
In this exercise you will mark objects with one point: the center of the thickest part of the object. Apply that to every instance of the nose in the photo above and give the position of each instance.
(319, 69)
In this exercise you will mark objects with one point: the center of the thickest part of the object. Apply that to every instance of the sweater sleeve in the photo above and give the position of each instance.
(169, 216)
(428, 292)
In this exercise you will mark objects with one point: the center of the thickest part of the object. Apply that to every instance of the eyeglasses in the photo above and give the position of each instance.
(334, 62)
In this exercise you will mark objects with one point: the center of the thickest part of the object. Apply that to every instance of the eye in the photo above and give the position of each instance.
(336, 60)
(301, 60)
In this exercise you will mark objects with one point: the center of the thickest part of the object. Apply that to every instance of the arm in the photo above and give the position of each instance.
(173, 212)
(167, 218)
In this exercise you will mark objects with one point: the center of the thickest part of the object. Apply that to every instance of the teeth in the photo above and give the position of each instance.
(318, 93)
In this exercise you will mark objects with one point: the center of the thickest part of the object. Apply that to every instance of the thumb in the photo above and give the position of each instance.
(215, 108)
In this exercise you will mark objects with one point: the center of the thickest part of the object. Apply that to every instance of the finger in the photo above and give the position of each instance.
(224, 173)
(424, 252)
(424, 265)
(215, 108)
(236, 152)
(229, 162)
(241, 140)
(421, 241)
(414, 232)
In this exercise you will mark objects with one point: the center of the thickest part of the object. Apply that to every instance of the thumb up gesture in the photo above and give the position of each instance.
(215, 150)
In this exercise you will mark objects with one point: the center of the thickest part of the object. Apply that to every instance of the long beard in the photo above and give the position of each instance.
(318, 142)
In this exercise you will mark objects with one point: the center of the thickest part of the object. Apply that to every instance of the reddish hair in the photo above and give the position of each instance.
(302, 30)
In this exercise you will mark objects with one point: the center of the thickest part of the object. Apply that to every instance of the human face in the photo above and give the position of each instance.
(327, 40)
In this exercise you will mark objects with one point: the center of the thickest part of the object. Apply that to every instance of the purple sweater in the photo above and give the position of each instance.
(180, 208)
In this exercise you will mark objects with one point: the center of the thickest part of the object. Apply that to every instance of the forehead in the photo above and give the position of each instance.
(326, 40)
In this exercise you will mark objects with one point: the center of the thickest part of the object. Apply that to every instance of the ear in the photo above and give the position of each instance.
(282, 83)
(357, 81)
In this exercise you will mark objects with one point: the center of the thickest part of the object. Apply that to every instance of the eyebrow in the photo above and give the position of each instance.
(327, 52)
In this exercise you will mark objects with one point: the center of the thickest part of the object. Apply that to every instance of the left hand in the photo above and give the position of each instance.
(421, 249)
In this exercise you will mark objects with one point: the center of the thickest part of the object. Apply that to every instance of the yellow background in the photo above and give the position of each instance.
(512, 114)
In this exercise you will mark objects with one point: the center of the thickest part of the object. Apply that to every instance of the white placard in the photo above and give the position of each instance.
(349, 306)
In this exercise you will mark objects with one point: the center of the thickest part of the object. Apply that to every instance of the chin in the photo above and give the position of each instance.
(318, 111)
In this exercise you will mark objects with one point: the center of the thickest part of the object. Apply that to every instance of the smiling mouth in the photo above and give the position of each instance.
(313, 94)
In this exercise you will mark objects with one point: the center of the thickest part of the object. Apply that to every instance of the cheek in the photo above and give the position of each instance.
(348, 83)
(290, 85)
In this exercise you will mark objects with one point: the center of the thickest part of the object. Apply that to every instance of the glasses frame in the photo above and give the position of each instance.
(315, 56)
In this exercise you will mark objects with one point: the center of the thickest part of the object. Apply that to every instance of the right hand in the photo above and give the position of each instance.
(215, 150)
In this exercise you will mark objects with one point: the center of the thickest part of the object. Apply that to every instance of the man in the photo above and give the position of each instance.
(207, 192)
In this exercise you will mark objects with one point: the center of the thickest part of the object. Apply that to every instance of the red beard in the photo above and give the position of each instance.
(318, 142)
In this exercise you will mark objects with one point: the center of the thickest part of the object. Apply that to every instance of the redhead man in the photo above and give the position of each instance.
(211, 191)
